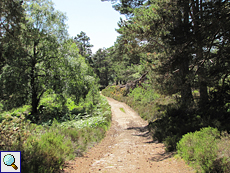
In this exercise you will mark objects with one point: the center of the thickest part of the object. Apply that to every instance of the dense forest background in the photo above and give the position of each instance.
(170, 63)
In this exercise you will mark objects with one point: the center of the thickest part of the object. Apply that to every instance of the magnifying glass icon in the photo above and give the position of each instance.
(9, 160)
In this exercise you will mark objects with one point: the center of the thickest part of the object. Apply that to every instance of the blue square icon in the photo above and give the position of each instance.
(10, 161)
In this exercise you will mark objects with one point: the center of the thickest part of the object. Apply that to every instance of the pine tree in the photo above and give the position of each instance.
(181, 39)
(82, 42)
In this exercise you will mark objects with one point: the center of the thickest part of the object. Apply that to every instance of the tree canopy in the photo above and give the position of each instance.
(181, 42)
(38, 56)
(82, 42)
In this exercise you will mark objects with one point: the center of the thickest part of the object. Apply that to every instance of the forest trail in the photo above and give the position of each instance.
(127, 148)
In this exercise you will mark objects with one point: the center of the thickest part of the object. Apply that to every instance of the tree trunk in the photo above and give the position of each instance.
(34, 96)
(106, 78)
(202, 77)
(202, 87)
(186, 91)
(198, 13)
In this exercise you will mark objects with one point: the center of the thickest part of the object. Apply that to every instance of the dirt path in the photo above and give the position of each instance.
(126, 148)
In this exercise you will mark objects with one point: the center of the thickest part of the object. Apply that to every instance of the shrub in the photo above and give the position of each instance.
(200, 149)
(46, 154)
(223, 161)
(14, 131)
(171, 142)
(16, 112)
(144, 95)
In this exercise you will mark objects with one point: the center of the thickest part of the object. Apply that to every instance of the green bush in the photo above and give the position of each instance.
(222, 163)
(14, 131)
(47, 153)
(63, 109)
(52, 106)
(171, 142)
(16, 112)
(145, 94)
(200, 149)
(89, 122)
(40, 150)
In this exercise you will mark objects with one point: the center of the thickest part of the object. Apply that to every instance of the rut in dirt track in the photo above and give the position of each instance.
(127, 147)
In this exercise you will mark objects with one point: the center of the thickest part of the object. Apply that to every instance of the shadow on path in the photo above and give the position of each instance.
(143, 132)
(161, 157)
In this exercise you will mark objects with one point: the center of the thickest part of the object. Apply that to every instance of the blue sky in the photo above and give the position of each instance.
(97, 19)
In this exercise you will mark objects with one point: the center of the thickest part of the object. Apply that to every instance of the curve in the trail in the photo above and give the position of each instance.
(127, 147)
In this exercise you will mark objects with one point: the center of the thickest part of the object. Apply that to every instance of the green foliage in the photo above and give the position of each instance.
(89, 122)
(14, 131)
(122, 109)
(152, 35)
(48, 153)
(126, 7)
(144, 94)
(18, 112)
(12, 15)
(43, 61)
(119, 63)
(201, 148)
(34, 58)
(44, 78)
(92, 99)
(78, 76)
(223, 160)
(173, 124)
(82, 42)
(46, 149)
(102, 65)
(193, 145)
(70, 104)
(145, 100)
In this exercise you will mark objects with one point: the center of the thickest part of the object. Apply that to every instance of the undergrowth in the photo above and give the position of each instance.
(45, 147)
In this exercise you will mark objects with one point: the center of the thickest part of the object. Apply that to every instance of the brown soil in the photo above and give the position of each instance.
(127, 147)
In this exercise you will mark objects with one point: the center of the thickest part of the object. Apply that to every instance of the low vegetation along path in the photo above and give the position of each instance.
(127, 147)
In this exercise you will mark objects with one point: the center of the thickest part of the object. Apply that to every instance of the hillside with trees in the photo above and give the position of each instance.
(50, 106)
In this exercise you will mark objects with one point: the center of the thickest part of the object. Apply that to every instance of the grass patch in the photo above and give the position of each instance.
(122, 109)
